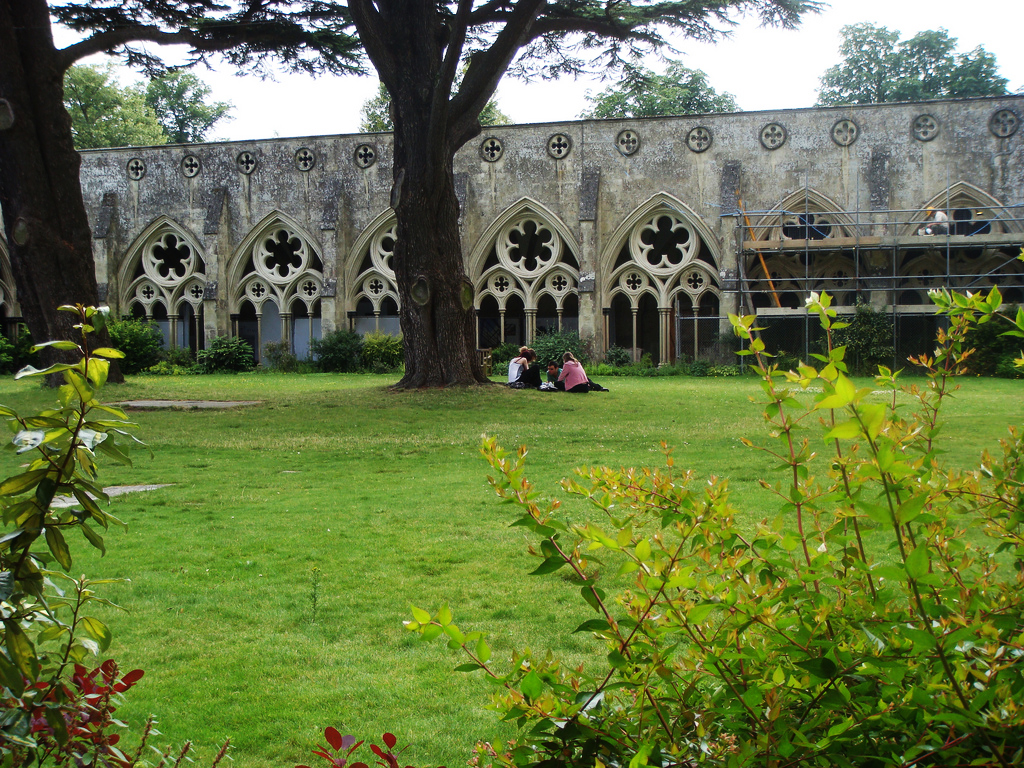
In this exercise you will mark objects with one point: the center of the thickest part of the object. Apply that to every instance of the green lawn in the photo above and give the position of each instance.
(386, 494)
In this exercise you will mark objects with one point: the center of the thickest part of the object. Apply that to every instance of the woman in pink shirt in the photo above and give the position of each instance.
(573, 375)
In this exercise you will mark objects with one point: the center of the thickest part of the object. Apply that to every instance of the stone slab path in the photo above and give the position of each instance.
(186, 404)
(114, 490)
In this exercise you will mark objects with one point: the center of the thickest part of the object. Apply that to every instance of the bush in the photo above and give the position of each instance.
(552, 345)
(993, 352)
(140, 340)
(382, 352)
(278, 356)
(338, 352)
(226, 354)
(618, 356)
(503, 353)
(868, 339)
(873, 619)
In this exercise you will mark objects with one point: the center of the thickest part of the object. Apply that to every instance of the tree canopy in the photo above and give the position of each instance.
(877, 67)
(642, 93)
(376, 114)
(103, 114)
(418, 49)
(181, 103)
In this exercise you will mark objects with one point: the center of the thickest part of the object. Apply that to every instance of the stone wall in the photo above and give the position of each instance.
(589, 218)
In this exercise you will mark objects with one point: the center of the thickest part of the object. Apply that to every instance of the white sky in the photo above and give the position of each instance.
(762, 68)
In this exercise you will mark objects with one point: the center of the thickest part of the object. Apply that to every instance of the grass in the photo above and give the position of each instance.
(386, 494)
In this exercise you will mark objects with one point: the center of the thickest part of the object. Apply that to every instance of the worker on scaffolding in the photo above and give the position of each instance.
(936, 222)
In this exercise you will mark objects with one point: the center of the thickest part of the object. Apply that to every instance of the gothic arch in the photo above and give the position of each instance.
(164, 267)
(277, 262)
(660, 264)
(970, 210)
(680, 243)
(371, 289)
(526, 275)
(803, 215)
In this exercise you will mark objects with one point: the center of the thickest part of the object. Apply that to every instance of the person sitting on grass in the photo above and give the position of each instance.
(530, 375)
(516, 365)
(553, 373)
(573, 375)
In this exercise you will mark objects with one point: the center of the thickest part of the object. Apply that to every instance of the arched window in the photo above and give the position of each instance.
(277, 270)
(664, 252)
(164, 279)
(375, 293)
(526, 275)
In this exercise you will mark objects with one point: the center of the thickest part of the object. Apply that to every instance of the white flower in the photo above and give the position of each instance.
(814, 298)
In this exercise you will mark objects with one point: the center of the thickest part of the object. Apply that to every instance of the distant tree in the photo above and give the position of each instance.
(105, 115)
(641, 93)
(878, 67)
(376, 114)
(181, 103)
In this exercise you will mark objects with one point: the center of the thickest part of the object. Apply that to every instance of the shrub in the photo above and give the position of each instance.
(278, 356)
(868, 338)
(180, 356)
(382, 352)
(46, 631)
(140, 340)
(226, 354)
(338, 352)
(994, 352)
(503, 353)
(874, 619)
(618, 356)
(552, 345)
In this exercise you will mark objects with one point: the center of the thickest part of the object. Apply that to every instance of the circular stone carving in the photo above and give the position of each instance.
(246, 162)
(627, 142)
(305, 159)
(365, 155)
(698, 139)
(420, 291)
(559, 146)
(773, 136)
(845, 132)
(190, 166)
(136, 169)
(925, 128)
(1004, 123)
(492, 150)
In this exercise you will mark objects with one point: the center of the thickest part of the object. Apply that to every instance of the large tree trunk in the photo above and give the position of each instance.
(437, 313)
(47, 228)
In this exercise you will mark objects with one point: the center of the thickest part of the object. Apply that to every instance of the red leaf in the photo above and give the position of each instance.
(333, 737)
(390, 740)
(301, 766)
(133, 677)
(324, 755)
(377, 750)
(359, 765)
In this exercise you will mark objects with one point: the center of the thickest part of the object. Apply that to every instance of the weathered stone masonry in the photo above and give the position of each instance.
(630, 231)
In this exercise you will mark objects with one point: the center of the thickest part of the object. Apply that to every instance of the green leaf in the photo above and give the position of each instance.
(420, 615)
(29, 370)
(617, 660)
(98, 631)
(593, 596)
(531, 685)
(483, 651)
(56, 345)
(93, 538)
(911, 508)
(847, 430)
(824, 667)
(108, 352)
(468, 667)
(55, 718)
(18, 484)
(59, 547)
(550, 565)
(11, 677)
(593, 625)
(444, 616)
(699, 613)
(917, 562)
(643, 550)
(20, 650)
(843, 393)
(873, 416)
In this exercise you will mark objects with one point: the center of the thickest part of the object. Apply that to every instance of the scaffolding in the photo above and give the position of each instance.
(894, 258)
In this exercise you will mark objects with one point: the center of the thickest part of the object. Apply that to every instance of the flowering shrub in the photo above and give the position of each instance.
(874, 619)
